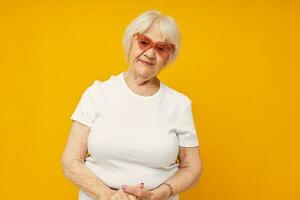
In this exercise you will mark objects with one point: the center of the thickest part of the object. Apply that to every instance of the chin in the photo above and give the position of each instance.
(142, 71)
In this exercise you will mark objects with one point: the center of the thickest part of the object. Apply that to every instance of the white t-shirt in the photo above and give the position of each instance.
(134, 138)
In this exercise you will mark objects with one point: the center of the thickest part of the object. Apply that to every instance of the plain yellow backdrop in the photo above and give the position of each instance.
(239, 63)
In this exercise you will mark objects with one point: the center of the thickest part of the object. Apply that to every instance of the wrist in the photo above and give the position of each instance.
(162, 192)
(105, 193)
(170, 189)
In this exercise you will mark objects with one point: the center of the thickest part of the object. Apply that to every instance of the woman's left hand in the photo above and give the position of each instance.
(139, 191)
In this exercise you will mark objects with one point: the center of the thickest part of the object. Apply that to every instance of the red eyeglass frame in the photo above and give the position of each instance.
(170, 46)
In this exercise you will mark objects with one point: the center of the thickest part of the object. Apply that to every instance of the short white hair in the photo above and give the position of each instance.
(168, 28)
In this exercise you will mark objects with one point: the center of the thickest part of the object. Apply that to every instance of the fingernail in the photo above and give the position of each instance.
(124, 186)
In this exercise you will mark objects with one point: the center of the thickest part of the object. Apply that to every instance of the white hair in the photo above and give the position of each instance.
(140, 24)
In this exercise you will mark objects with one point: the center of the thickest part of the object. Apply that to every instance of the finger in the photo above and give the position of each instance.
(142, 193)
(114, 197)
(131, 197)
(133, 190)
(124, 196)
(140, 185)
(119, 195)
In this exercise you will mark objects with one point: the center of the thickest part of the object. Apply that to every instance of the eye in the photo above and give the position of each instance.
(161, 48)
(144, 42)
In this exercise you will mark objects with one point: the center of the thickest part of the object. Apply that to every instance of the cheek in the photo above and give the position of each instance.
(161, 62)
(134, 54)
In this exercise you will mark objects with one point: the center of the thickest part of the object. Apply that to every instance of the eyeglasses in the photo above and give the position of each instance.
(162, 48)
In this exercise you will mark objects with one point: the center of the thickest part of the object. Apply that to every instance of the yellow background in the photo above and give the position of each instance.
(239, 63)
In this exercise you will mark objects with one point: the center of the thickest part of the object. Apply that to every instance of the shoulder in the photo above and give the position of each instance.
(93, 88)
(97, 84)
(178, 97)
(101, 88)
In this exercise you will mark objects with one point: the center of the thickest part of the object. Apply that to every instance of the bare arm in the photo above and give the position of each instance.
(190, 170)
(73, 163)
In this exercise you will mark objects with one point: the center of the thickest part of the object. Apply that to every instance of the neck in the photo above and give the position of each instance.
(141, 85)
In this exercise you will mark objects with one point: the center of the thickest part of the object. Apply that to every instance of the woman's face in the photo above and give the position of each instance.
(155, 60)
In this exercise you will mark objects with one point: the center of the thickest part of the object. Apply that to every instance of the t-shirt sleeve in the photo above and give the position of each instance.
(85, 111)
(186, 130)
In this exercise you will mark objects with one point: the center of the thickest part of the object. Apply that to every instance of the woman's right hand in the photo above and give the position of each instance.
(120, 195)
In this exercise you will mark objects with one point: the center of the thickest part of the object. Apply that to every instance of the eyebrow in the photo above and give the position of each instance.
(154, 40)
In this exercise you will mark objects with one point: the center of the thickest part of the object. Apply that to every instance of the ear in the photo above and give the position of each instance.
(129, 49)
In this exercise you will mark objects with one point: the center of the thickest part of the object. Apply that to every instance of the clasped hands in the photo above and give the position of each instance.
(137, 192)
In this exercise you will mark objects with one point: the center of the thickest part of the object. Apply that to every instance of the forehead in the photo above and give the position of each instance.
(154, 32)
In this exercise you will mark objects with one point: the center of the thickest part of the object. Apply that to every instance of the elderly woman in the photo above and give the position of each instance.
(129, 130)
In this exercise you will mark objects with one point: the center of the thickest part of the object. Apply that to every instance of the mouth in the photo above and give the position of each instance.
(146, 63)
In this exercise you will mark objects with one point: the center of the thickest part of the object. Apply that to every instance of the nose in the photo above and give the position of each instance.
(149, 53)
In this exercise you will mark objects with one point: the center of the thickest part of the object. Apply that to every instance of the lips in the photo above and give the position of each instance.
(145, 62)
